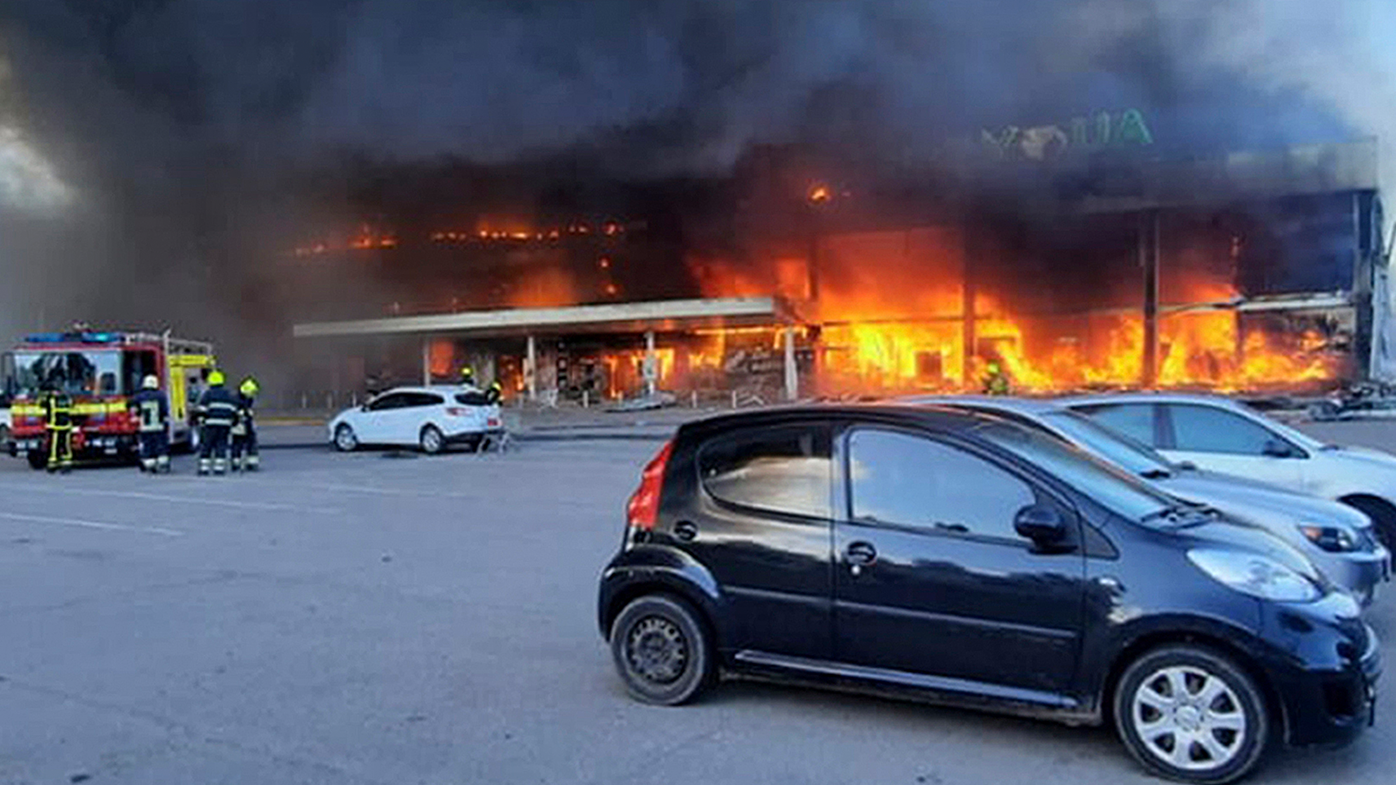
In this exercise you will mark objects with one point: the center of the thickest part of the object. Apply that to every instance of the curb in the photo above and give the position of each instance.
(518, 437)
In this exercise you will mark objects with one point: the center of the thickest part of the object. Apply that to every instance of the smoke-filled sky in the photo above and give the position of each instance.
(137, 137)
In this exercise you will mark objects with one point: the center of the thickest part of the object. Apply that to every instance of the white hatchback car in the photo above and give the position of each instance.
(430, 418)
(1222, 435)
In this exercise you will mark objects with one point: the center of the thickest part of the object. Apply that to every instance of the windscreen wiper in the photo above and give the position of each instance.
(1156, 474)
(1180, 515)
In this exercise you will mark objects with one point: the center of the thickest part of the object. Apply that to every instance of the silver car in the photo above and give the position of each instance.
(1337, 538)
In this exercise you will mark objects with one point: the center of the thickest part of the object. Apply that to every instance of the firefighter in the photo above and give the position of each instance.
(218, 412)
(995, 380)
(152, 411)
(494, 393)
(245, 457)
(58, 423)
(467, 376)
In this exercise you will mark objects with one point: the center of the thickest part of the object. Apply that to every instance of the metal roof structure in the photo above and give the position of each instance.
(659, 316)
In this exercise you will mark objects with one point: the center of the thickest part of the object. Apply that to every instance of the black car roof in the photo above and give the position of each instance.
(937, 417)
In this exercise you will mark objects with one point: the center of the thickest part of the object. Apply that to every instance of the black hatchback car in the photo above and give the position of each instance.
(959, 558)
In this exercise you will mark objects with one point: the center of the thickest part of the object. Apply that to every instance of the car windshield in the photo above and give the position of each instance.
(1297, 437)
(1110, 445)
(89, 373)
(1114, 489)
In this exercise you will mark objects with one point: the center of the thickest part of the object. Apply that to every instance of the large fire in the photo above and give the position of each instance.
(892, 309)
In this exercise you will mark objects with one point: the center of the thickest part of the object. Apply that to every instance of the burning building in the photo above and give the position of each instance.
(1249, 272)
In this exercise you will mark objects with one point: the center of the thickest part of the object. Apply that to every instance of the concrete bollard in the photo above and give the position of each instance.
(734, 399)
(305, 401)
(586, 399)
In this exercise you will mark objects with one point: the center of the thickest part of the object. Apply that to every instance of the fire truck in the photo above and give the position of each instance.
(100, 371)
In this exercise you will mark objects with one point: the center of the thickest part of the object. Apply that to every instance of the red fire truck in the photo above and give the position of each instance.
(100, 371)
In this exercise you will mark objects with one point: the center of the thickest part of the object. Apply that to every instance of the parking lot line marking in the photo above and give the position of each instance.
(179, 499)
(367, 489)
(14, 516)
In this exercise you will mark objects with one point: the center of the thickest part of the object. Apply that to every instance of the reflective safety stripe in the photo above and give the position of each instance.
(100, 407)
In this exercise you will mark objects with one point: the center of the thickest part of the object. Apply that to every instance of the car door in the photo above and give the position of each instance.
(932, 581)
(420, 409)
(1224, 441)
(374, 425)
(759, 521)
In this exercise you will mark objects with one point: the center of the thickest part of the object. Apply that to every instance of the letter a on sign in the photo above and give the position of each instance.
(1132, 129)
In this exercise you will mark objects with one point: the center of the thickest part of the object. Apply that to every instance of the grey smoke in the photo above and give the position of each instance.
(178, 124)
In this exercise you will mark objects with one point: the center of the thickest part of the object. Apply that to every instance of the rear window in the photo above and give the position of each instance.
(782, 469)
(424, 399)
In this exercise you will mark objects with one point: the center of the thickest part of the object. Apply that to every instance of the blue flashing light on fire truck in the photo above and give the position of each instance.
(100, 371)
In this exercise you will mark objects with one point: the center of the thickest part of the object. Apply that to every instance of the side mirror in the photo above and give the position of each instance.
(1277, 449)
(1040, 523)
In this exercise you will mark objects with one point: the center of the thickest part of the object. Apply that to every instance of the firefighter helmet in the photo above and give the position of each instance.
(215, 378)
(150, 383)
(249, 387)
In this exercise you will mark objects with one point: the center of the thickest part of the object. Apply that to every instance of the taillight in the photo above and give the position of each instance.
(642, 511)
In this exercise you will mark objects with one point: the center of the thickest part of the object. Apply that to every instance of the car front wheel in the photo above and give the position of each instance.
(345, 440)
(661, 651)
(1192, 714)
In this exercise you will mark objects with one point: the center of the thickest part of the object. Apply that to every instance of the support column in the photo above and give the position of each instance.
(651, 364)
(426, 361)
(1149, 261)
(968, 337)
(792, 377)
(530, 369)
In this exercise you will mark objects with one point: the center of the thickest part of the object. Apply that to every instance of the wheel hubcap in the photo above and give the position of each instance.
(1189, 718)
(656, 650)
(433, 440)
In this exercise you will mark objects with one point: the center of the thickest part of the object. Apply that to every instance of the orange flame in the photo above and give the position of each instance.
(892, 310)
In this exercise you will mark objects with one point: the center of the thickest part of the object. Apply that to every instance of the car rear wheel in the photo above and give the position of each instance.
(1192, 714)
(37, 460)
(431, 440)
(661, 651)
(345, 440)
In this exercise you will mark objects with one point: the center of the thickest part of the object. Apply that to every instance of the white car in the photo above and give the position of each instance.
(1335, 537)
(1222, 435)
(430, 418)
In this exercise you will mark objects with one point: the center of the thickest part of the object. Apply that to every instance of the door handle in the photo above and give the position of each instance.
(860, 553)
(685, 530)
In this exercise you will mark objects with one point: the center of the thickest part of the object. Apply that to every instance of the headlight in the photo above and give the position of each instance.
(1334, 539)
(1254, 574)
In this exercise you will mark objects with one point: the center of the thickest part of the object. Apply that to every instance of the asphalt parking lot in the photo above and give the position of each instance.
(370, 619)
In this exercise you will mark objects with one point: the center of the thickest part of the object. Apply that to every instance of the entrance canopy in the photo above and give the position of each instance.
(659, 316)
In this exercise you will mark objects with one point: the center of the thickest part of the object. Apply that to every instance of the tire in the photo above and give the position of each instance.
(431, 440)
(1162, 701)
(345, 440)
(37, 461)
(662, 651)
(1383, 518)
